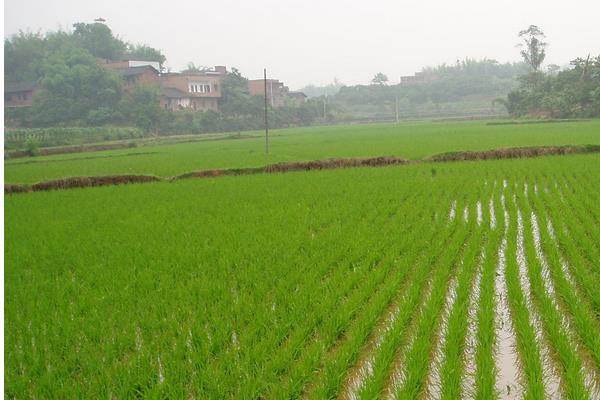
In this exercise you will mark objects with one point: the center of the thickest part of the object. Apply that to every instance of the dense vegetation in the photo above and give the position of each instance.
(570, 93)
(361, 283)
(466, 88)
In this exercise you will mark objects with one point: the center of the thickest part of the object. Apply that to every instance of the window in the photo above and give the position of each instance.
(199, 87)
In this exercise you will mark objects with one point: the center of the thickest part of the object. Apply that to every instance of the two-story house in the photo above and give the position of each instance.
(198, 91)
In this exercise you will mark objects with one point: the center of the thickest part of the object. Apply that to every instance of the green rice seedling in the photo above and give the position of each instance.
(555, 329)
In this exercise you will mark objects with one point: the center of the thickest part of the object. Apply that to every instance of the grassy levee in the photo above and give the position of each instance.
(408, 140)
(331, 376)
(564, 355)
(579, 310)
(418, 358)
(453, 368)
(485, 369)
(527, 344)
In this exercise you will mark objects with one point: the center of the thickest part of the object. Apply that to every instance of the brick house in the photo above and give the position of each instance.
(297, 98)
(19, 94)
(197, 91)
(276, 91)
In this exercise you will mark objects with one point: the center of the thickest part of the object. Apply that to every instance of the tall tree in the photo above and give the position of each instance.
(98, 39)
(535, 49)
(74, 88)
(380, 79)
(142, 52)
(23, 57)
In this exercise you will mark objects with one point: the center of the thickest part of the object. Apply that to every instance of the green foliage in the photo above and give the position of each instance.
(98, 39)
(23, 57)
(142, 52)
(74, 89)
(141, 106)
(572, 93)
(31, 146)
(534, 52)
(58, 136)
(379, 79)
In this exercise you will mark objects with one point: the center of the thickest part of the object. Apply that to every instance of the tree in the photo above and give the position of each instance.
(142, 107)
(142, 52)
(73, 86)
(379, 79)
(191, 67)
(23, 57)
(98, 39)
(534, 52)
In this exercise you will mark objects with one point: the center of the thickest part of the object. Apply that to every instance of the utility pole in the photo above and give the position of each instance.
(266, 117)
(397, 118)
(325, 107)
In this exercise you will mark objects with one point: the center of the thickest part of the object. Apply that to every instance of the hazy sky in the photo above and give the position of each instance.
(302, 42)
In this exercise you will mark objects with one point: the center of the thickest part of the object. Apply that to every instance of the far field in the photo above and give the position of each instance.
(436, 281)
(408, 140)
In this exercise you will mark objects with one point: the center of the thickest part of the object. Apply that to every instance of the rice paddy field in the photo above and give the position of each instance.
(406, 140)
(474, 279)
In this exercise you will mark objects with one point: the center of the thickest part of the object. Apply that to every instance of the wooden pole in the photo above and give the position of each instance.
(266, 117)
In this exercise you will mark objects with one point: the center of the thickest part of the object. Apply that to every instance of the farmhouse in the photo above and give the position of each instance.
(197, 91)
(418, 78)
(135, 72)
(277, 93)
(19, 94)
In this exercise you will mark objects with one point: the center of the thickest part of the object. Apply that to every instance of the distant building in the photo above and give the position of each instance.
(19, 94)
(419, 78)
(297, 98)
(277, 93)
(122, 64)
(198, 91)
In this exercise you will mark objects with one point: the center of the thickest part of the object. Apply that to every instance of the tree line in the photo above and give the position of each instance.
(573, 92)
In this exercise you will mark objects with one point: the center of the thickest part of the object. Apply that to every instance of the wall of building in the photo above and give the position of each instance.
(182, 82)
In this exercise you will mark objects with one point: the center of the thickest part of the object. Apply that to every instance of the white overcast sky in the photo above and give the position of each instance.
(307, 41)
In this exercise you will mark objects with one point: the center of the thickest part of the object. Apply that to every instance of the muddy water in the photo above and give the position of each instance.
(551, 375)
(479, 213)
(397, 376)
(468, 383)
(588, 370)
(434, 387)
(364, 367)
(508, 384)
(492, 214)
(452, 213)
(466, 214)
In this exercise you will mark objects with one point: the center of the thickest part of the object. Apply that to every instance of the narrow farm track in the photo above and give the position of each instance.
(474, 280)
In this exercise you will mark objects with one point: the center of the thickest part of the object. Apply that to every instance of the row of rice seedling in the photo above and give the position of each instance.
(557, 330)
(365, 283)
(576, 311)
(330, 381)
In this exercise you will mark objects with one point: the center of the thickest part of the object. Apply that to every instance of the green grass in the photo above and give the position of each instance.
(408, 140)
(278, 285)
